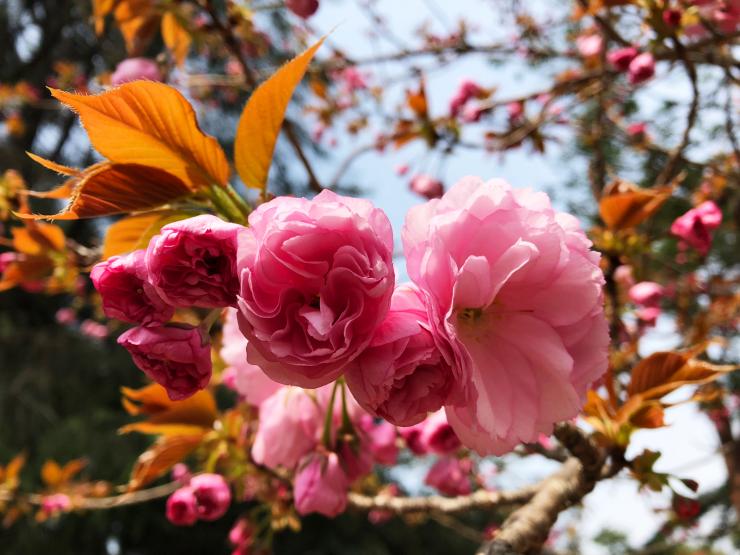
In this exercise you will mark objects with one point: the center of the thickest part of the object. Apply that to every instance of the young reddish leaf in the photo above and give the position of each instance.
(648, 416)
(106, 189)
(655, 370)
(176, 39)
(150, 124)
(624, 205)
(161, 457)
(134, 232)
(72, 468)
(262, 118)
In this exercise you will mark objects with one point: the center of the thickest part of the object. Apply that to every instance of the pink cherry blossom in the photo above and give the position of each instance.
(181, 507)
(176, 357)
(622, 57)
(648, 315)
(289, 428)
(382, 441)
(623, 276)
(516, 291)
(641, 68)
(193, 262)
(52, 505)
(321, 486)
(126, 291)
(589, 45)
(646, 293)
(302, 8)
(212, 495)
(426, 186)
(438, 436)
(93, 329)
(248, 380)
(637, 130)
(412, 436)
(695, 226)
(316, 280)
(241, 537)
(402, 375)
(451, 476)
(133, 69)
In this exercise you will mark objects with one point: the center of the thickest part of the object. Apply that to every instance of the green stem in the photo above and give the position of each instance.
(239, 201)
(347, 426)
(225, 206)
(207, 323)
(326, 436)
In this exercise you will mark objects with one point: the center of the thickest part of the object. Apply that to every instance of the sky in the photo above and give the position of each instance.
(689, 441)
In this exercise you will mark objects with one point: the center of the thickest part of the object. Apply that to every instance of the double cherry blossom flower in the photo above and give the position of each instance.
(503, 326)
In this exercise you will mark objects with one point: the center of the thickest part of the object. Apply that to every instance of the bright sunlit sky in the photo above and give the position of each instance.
(689, 444)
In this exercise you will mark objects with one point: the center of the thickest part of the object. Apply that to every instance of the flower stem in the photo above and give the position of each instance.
(326, 435)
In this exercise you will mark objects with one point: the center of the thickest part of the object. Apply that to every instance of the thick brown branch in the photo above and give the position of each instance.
(527, 528)
(481, 499)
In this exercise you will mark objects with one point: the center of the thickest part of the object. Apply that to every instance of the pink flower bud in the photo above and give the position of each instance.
(133, 69)
(646, 293)
(178, 358)
(51, 505)
(302, 8)
(451, 476)
(621, 57)
(623, 276)
(181, 473)
(126, 292)
(472, 113)
(401, 169)
(212, 495)
(637, 130)
(589, 45)
(321, 486)
(426, 186)
(65, 316)
(672, 17)
(648, 315)
(181, 507)
(241, 537)
(641, 68)
(412, 436)
(193, 262)
(438, 436)
(93, 329)
(515, 110)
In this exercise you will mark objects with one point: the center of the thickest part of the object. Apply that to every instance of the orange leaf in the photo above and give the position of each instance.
(417, 101)
(162, 456)
(648, 416)
(38, 239)
(262, 118)
(137, 20)
(165, 416)
(655, 370)
(150, 124)
(134, 232)
(175, 37)
(624, 205)
(106, 189)
(72, 468)
(53, 166)
(51, 474)
(101, 8)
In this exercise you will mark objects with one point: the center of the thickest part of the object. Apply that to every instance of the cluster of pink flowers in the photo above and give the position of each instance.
(503, 325)
(640, 67)
(191, 263)
(459, 103)
(695, 226)
(203, 497)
